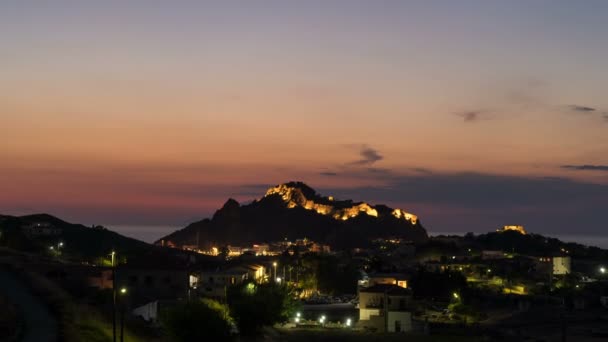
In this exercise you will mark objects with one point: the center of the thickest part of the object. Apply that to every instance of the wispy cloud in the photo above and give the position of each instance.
(586, 167)
(581, 109)
(470, 116)
(368, 156)
(328, 173)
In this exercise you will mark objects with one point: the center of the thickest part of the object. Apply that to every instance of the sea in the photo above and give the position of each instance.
(151, 233)
(594, 240)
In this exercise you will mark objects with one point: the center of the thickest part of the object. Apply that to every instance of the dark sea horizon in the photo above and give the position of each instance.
(151, 233)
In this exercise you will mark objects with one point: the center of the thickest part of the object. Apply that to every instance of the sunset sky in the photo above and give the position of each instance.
(470, 114)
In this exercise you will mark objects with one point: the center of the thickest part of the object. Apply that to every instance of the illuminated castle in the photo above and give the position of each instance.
(519, 229)
(295, 197)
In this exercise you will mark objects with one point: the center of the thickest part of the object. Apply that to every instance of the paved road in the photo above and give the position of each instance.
(40, 325)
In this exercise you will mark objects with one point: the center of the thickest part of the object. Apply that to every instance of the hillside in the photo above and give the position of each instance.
(294, 210)
(40, 232)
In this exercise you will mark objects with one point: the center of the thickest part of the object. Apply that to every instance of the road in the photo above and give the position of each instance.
(40, 325)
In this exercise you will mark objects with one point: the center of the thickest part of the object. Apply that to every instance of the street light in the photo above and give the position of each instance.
(123, 292)
(278, 280)
(274, 264)
(602, 270)
(456, 296)
(61, 244)
(348, 322)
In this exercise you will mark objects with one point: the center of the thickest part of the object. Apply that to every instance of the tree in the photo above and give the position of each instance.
(437, 284)
(199, 320)
(254, 306)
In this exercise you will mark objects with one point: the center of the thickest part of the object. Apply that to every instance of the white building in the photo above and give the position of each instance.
(562, 265)
(384, 307)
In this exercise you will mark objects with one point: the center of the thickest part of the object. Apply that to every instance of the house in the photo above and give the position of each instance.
(214, 283)
(562, 265)
(385, 308)
(373, 279)
(319, 248)
(492, 255)
(153, 282)
(100, 278)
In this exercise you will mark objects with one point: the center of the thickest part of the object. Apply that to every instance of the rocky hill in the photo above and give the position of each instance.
(294, 210)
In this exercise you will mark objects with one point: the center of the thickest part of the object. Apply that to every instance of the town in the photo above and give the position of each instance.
(303, 171)
(507, 284)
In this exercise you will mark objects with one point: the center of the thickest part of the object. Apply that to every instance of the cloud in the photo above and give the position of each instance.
(470, 116)
(328, 173)
(368, 156)
(581, 109)
(586, 167)
(474, 115)
(422, 170)
(483, 202)
(588, 110)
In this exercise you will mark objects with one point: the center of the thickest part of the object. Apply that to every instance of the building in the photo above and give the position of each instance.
(319, 248)
(492, 255)
(153, 282)
(385, 308)
(261, 249)
(234, 251)
(519, 229)
(370, 280)
(100, 278)
(214, 283)
(562, 265)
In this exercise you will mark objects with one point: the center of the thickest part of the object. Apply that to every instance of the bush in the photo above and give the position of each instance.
(200, 320)
(254, 306)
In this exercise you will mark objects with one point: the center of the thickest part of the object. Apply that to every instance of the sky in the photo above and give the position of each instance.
(470, 114)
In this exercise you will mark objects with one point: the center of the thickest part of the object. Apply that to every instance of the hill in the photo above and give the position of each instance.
(40, 232)
(295, 210)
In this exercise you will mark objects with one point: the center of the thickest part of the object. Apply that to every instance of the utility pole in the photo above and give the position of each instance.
(113, 297)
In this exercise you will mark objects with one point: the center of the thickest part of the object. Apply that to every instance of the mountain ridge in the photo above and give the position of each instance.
(295, 210)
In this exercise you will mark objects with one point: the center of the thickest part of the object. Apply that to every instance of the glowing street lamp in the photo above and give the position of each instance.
(274, 264)
(455, 295)
(278, 280)
(123, 292)
(348, 322)
(322, 319)
(603, 270)
(60, 244)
